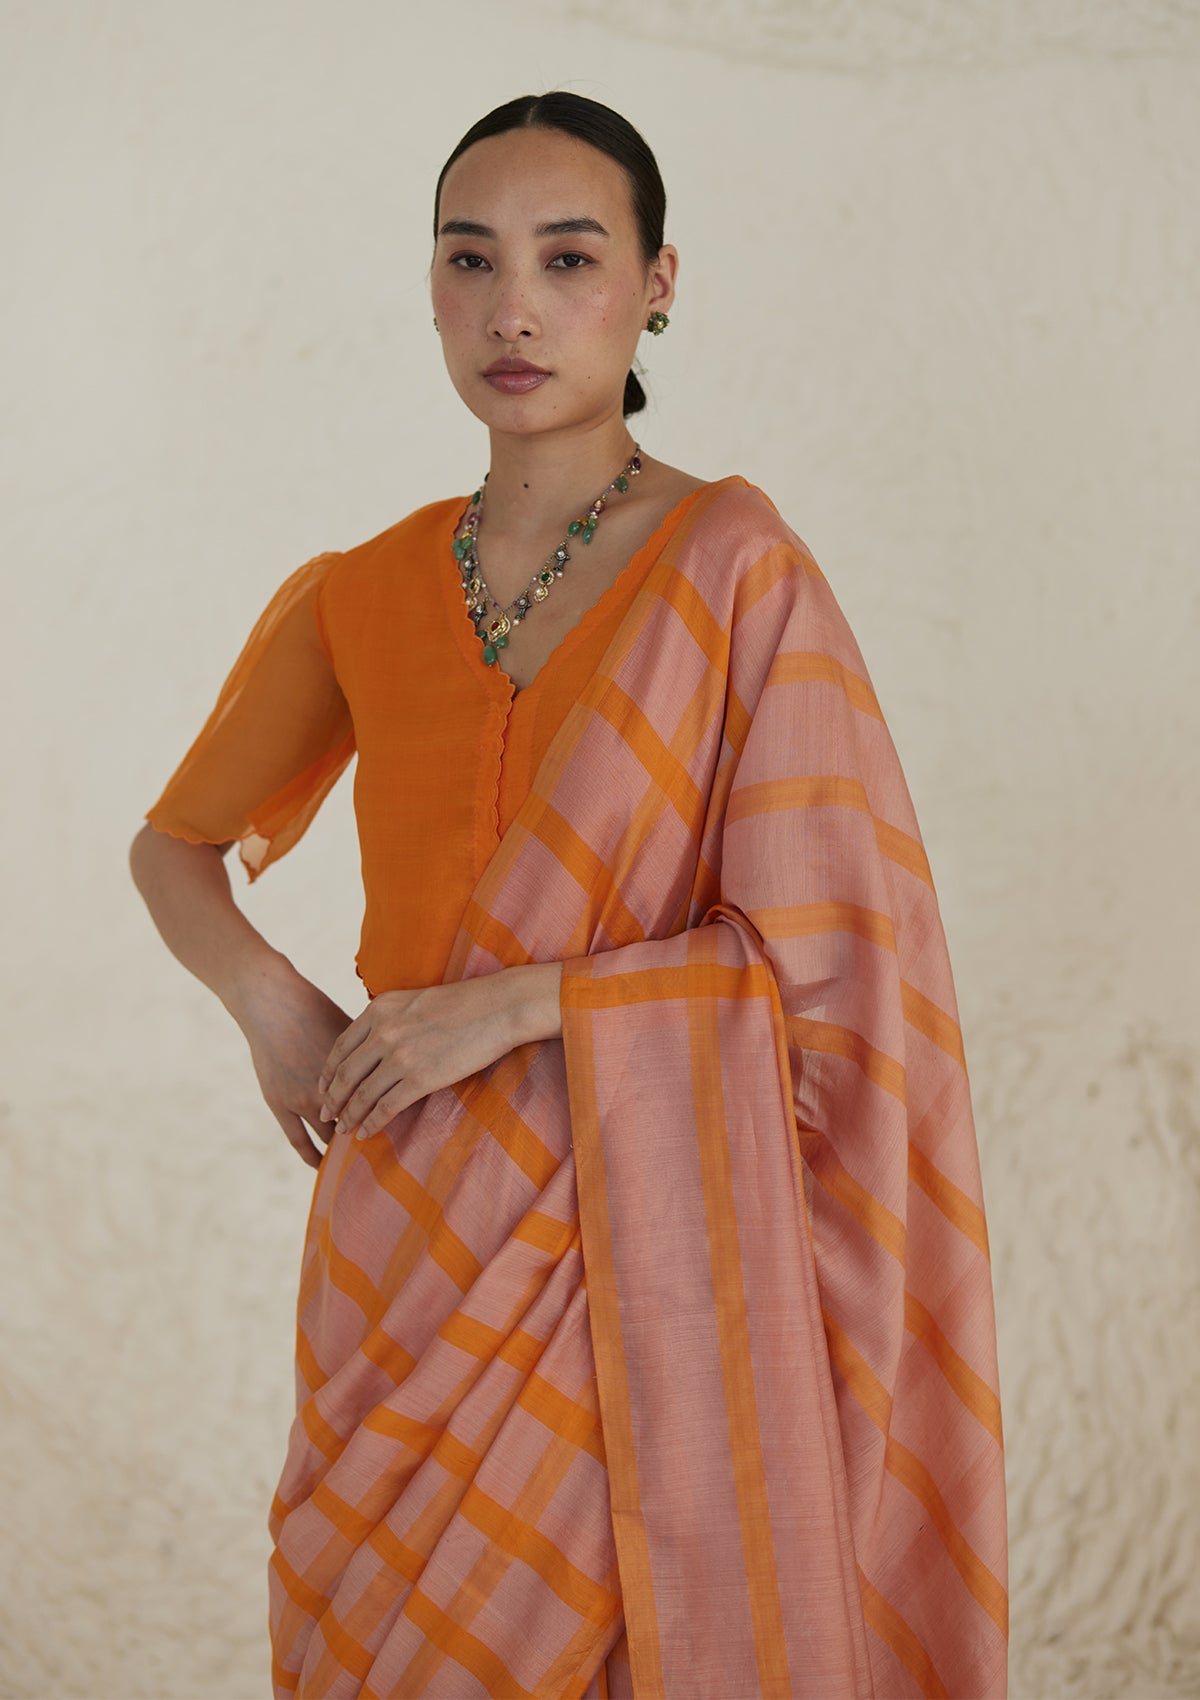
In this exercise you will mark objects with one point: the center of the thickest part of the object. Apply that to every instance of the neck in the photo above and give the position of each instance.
(538, 483)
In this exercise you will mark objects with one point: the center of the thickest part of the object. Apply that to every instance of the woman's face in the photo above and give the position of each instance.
(538, 263)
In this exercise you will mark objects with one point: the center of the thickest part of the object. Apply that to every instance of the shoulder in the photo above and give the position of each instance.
(424, 527)
(737, 522)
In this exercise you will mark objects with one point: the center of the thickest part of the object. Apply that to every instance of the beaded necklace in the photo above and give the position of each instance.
(493, 632)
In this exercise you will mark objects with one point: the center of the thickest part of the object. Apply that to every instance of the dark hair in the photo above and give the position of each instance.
(588, 121)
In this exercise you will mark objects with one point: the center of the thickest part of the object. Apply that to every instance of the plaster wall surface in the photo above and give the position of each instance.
(941, 272)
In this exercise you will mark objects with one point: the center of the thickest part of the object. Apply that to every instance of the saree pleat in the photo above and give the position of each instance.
(660, 1361)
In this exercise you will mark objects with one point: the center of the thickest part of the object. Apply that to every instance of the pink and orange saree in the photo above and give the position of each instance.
(660, 1360)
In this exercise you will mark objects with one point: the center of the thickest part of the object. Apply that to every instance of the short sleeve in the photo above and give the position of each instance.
(278, 737)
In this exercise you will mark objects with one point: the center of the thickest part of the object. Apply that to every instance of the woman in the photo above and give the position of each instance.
(645, 1339)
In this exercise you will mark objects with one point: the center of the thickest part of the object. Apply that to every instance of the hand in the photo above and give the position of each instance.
(406, 1044)
(290, 1027)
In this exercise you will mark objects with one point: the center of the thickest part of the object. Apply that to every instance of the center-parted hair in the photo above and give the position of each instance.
(588, 121)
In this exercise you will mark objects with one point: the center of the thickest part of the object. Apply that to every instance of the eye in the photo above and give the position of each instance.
(468, 262)
(572, 262)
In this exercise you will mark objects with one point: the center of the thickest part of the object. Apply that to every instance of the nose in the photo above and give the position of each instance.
(512, 314)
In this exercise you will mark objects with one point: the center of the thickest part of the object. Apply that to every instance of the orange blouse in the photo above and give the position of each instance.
(373, 650)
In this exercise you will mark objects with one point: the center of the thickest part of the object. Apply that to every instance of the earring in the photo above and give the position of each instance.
(436, 326)
(657, 322)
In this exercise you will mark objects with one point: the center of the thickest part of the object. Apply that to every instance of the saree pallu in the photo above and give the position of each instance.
(660, 1360)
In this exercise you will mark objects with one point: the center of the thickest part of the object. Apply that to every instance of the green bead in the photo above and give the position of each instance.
(460, 546)
(478, 496)
(489, 653)
(587, 536)
(575, 527)
(622, 483)
(589, 523)
(500, 642)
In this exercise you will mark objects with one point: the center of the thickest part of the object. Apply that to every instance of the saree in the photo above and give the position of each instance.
(659, 1359)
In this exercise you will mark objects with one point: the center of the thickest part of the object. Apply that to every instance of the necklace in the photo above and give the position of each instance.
(493, 632)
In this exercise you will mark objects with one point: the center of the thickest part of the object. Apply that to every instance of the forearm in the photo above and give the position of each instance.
(187, 891)
(534, 989)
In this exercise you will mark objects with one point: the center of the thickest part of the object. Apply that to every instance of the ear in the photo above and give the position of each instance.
(661, 280)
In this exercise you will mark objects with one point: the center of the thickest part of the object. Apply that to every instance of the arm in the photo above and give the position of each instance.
(407, 1044)
(288, 1023)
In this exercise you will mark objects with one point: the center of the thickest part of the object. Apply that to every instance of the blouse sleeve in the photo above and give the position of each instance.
(277, 739)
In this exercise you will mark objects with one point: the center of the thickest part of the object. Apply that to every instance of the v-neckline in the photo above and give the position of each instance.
(566, 645)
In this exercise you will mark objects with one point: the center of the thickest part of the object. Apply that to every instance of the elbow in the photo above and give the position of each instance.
(141, 852)
(152, 851)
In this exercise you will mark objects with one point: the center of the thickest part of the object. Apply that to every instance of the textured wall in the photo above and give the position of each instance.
(941, 265)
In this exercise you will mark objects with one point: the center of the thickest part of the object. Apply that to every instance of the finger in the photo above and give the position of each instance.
(348, 1078)
(401, 1097)
(345, 1042)
(298, 1139)
(359, 1106)
(314, 1127)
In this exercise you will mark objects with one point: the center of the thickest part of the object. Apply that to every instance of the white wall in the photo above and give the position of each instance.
(941, 270)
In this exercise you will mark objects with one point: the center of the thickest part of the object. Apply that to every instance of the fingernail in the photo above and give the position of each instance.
(361, 1134)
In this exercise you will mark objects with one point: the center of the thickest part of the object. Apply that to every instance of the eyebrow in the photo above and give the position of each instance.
(557, 227)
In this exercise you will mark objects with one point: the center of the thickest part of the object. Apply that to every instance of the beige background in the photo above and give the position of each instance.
(941, 272)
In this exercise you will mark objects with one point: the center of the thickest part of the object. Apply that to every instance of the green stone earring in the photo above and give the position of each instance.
(657, 322)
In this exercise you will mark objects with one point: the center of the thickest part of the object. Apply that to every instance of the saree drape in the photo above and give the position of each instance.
(660, 1360)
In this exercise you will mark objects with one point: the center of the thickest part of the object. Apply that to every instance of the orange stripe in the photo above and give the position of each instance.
(589, 870)
(737, 726)
(306, 1361)
(705, 630)
(284, 1678)
(520, 1540)
(733, 1340)
(909, 1470)
(612, 1375)
(347, 1519)
(446, 1248)
(907, 852)
(856, 1372)
(938, 1027)
(455, 1456)
(404, 1560)
(801, 667)
(829, 791)
(891, 1628)
(420, 1438)
(954, 1204)
(826, 1036)
(323, 1435)
(350, 1654)
(491, 1106)
(563, 1416)
(493, 936)
(971, 1388)
(546, 1233)
(664, 768)
(808, 920)
(464, 1648)
(388, 1355)
(659, 985)
(478, 1339)
(346, 1275)
(871, 1214)
(521, 1350)
(806, 791)
(298, 1590)
(775, 565)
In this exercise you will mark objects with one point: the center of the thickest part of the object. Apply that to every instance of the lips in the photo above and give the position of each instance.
(510, 365)
(515, 377)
